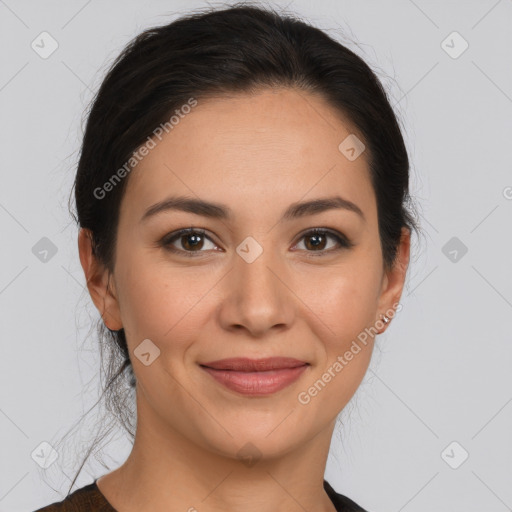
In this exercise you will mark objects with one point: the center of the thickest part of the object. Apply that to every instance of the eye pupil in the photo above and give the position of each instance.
(196, 241)
(317, 243)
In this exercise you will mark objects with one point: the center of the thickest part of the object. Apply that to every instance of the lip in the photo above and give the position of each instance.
(245, 364)
(256, 377)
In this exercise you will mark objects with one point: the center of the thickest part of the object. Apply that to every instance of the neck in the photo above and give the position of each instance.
(165, 469)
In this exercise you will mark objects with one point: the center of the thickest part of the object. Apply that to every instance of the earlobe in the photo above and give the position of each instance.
(98, 280)
(384, 319)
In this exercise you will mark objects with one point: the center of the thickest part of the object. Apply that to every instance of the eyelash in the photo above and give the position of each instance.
(166, 242)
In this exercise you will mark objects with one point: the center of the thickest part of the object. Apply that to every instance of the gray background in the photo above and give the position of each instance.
(441, 373)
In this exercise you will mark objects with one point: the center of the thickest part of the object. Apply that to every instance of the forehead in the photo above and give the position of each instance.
(275, 146)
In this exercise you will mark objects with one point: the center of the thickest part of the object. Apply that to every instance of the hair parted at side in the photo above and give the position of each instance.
(210, 53)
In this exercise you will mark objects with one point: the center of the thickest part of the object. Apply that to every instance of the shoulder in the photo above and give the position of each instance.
(86, 498)
(342, 503)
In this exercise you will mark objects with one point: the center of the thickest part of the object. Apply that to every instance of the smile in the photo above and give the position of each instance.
(256, 377)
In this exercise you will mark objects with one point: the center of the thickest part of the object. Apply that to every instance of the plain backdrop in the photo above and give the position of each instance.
(429, 428)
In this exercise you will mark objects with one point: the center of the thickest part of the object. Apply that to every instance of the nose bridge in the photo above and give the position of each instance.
(255, 268)
(257, 296)
(257, 278)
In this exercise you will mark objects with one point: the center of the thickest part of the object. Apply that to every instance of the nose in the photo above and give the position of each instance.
(256, 297)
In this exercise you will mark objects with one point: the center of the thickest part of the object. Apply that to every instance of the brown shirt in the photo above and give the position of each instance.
(90, 498)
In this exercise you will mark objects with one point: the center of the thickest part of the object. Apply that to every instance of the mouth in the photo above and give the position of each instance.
(256, 377)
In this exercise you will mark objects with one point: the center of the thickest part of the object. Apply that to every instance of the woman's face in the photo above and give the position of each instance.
(257, 283)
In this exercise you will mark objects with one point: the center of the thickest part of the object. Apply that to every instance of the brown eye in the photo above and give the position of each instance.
(192, 241)
(316, 240)
(188, 242)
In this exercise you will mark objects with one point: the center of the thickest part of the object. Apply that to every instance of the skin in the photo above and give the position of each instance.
(256, 155)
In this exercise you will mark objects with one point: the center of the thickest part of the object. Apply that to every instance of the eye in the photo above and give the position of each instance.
(191, 240)
(316, 241)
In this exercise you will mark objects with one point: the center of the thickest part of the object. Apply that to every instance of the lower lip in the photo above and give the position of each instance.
(257, 383)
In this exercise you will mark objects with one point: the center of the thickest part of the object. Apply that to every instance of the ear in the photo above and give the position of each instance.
(394, 279)
(99, 282)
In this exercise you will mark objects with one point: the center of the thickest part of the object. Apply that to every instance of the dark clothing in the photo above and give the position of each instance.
(90, 498)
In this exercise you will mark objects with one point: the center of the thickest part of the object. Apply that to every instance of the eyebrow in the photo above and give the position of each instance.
(219, 211)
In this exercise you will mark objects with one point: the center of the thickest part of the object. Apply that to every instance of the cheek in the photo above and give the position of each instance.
(351, 312)
(345, 298)
(157, 301)
(346, 301)
(347, 307)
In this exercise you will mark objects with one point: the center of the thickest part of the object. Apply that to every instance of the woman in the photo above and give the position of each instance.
(242, 197)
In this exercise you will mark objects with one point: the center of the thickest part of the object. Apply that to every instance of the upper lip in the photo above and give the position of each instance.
(244, 364)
